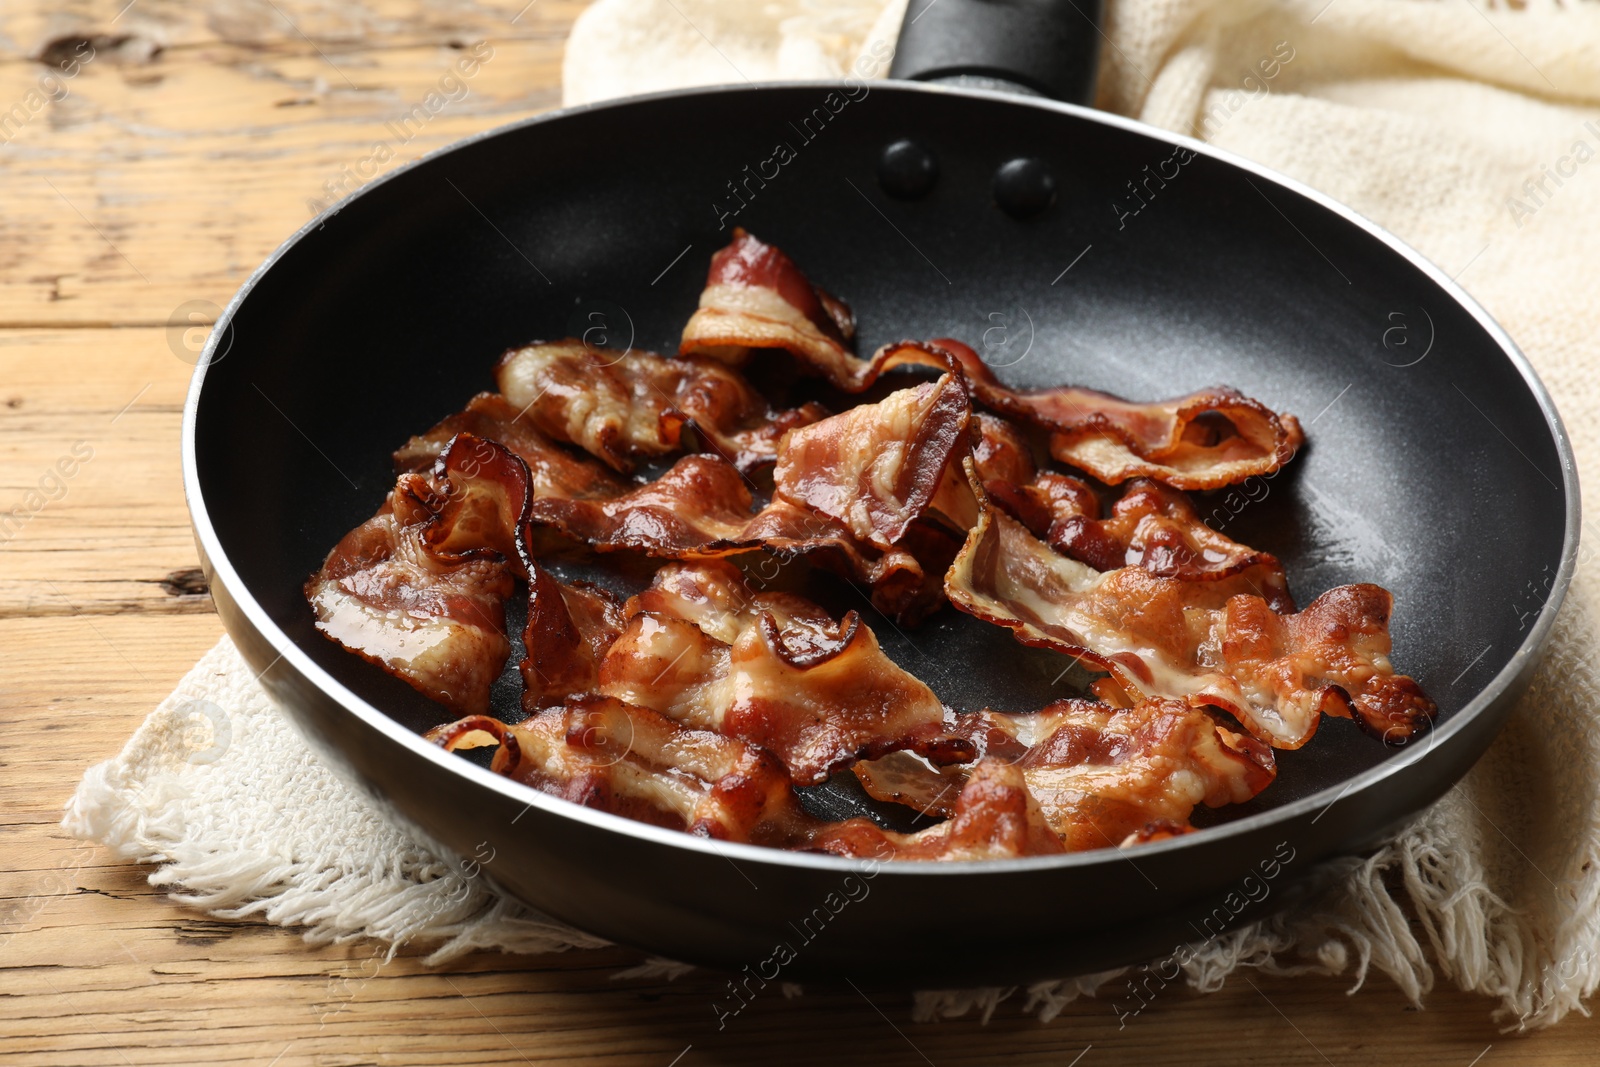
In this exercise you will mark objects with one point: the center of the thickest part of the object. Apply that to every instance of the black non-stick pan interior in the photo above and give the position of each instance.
(1431, 468)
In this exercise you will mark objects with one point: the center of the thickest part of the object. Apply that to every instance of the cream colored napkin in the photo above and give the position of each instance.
(1471, 131)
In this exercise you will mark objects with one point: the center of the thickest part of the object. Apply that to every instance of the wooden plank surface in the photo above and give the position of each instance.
(176, 160)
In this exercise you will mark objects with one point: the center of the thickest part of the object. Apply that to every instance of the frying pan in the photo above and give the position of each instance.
(1034, 229)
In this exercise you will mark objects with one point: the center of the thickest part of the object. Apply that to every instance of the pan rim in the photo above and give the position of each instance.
(371, 716)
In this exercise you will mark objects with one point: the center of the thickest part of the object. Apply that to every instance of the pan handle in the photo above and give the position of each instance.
(1040, 47)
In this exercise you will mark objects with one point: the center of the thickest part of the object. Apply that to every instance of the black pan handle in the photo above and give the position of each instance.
(1044, 47)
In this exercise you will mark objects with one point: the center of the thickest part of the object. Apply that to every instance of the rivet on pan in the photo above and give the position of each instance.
(1024, 187)
(907, 171)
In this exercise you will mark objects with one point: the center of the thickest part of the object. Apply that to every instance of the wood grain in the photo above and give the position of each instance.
(178, 159)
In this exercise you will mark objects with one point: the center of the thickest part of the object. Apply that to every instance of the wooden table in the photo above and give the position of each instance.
(189, 143)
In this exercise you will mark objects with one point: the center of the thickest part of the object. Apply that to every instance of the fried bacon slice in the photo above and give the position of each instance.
(484, 493)
(1205, 440)
(1006, 469)
(994, 816)
(873, 473)
(755, 297)
(420, 589)
(701, 504)
(1103, 776)
(630, 761)
(905, 582)
(1099, 777)
(876, 467)
(1215, 642)
(1150, 526)
(1000, 451)
(462, 530)
(773, 669)
(620, 406)
(555, 471)
(700, 508)
(570, 628)
(434, 618)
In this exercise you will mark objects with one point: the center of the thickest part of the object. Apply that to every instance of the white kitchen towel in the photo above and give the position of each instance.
(1469, 129)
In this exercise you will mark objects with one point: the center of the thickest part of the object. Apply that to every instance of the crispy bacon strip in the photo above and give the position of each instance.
(906, 582)
(611, 756)
(422, 591)
(1102, 775)
(701, 504)
(1005, 466)
(486, 494)
(700, 508)
(619, 406)
(1205, 440)
(995, 816)
(421, 588)
(1150, 526)
(772, 669)
(876, 467)
(630, 761)
(570, 628)
(555, 471)
(1000, 451)
(755, 297)
(434, 618)
(1210, 642)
